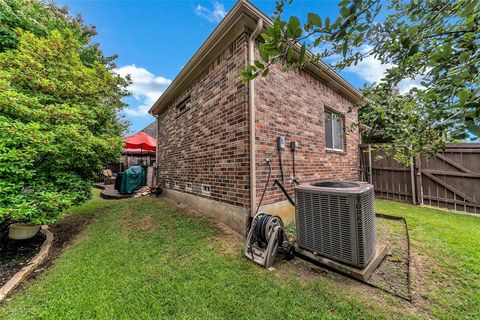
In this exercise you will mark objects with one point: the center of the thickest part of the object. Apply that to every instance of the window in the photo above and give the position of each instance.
(206, 189)
(188, 186)
(333, 130)
(167, 184)
(177, 184)
(183, 106)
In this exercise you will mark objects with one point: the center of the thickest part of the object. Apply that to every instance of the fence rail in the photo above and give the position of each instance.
(448, 179)
(98, 176)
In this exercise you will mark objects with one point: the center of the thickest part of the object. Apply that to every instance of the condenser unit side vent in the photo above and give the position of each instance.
(366, 228)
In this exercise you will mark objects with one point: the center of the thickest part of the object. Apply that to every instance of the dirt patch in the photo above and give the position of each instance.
(15, 254)
(308, 273)
(421, 269)
(64, 232)
(391, 275)
(146, 223)
(229, 241)
(303, 270)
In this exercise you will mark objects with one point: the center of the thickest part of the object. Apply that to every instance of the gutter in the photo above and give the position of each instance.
(251, 112)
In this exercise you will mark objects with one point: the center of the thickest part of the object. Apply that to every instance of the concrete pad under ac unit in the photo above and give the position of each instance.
(362, 274)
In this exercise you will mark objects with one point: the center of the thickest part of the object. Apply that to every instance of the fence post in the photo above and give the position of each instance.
(370, 170)
(412, 178)
(419, 184)
(363, 166)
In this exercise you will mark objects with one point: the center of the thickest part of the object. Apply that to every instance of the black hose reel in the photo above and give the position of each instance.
(265, 238)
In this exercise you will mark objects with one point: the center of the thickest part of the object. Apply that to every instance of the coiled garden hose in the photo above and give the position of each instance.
(264, 228)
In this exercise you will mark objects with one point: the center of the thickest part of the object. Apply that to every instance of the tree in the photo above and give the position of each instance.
(59, 103)
(437, 41)
(41, 18)
(398, 122)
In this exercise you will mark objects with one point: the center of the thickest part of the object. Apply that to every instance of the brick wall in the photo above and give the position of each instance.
(292, 104)
(208, 143)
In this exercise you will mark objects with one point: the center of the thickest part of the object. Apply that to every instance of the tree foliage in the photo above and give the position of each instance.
(397, 122)
(40, 18)
(59, 103)
(437, 41)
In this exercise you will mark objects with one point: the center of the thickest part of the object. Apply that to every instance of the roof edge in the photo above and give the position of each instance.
(320, 68)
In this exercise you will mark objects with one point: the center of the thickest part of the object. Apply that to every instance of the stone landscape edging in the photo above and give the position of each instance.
(37, 260)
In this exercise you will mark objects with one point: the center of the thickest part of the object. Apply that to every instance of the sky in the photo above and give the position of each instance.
(154, 39)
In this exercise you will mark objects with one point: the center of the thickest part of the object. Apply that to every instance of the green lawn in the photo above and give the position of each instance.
(446, 265)
(143, 259)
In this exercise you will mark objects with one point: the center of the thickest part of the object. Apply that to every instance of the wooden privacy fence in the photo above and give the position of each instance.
(448, 179)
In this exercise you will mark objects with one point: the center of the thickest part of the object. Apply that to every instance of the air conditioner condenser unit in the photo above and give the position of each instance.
(336, 219)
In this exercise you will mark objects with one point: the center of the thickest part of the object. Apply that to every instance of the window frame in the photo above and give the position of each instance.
(341, 116)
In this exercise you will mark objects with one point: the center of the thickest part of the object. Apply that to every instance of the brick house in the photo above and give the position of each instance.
(215, 132)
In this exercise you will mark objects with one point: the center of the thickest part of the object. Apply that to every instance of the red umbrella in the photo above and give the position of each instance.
(141, 141)
(137, 152)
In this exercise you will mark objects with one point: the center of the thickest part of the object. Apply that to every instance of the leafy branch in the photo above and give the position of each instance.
(434, 41)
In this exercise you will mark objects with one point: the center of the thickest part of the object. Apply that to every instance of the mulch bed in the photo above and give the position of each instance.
(15, 254)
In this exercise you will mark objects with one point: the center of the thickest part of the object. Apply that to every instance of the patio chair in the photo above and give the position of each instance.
(109, 177)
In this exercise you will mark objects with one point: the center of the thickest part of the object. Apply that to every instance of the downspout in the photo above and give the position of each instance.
(156, 150)
(251, 112)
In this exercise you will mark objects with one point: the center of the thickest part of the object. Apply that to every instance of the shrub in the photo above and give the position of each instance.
(58, 117)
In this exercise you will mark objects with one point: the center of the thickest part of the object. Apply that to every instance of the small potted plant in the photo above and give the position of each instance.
(39, 208)
(41, 204)
(23, 231)
(156, 190)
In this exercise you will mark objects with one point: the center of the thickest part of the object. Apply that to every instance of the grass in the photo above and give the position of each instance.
(143, 259)
(448, 244)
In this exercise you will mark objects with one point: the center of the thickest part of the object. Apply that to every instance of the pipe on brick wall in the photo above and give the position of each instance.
(251, 112)
(156, 151)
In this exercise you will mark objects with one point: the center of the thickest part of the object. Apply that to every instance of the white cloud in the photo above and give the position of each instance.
(145, 88)
(370, 69)
(407, 84)
(373, 70)
(214, 14)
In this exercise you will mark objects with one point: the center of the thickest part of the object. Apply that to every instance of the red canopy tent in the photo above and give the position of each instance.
(136, 152)
(138, 146)
(141, 141)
